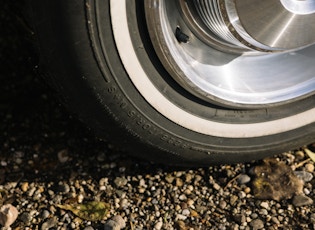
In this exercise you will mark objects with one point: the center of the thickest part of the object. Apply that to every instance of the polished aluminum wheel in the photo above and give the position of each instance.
(241, 53)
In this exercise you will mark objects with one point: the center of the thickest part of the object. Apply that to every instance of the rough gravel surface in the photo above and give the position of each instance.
(49, 161)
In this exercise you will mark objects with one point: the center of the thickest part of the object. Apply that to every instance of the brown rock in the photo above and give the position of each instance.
(275, 180)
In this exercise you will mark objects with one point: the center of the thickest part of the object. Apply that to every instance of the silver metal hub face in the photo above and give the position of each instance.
(302, 7)
(240, 53)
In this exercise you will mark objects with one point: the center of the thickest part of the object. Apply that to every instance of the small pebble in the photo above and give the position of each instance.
(188, 178)
(233, 199)
(186, 212)
(120, 182)
(299, 155)
(101, 156)
(120, 221)
(180, 225)
(309, 167)
(275, 220)
(25, 217)
(306, 191)
(45, 214)
(63, 188)
(183, 205)
(19, 161)
(187, 191)
(50, 223)
(179, 182)
(31, 191)
(111, 225)
(247, 190)
(243, 179)
(198, 178)
(216, 186)
(158, 225)
(263, 212)
(193, 213)
(80, 198)
(222, 204)
(254, 215)
(181, 217)
(190, 203)
(264, 205)
(257, 224)
(24, 186)
(304, 176)
(241, 194)
(169, 178)
(240, 218)
(63, 156)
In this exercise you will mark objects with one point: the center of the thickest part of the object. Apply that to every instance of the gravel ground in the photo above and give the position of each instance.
(52, 168)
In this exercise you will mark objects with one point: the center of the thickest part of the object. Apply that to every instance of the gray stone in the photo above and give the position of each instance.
(120, 181)
(25, 217)
(240, 219)
(116, 223)
(63, 156)
(50, 223)
(304, 176)
(301, 200)
(222, 204)
(44, 214)
(254, 215)
(111, 225)
(243, 179)
(63, 188)
(120, 221)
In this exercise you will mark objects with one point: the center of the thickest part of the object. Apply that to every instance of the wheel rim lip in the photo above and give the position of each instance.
(176, 114)
(238, 81)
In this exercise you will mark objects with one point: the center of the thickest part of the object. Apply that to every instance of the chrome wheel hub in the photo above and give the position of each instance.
(260, 25)
(240, 53)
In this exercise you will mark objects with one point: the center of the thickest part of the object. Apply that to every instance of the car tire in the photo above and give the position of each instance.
(100, 56)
